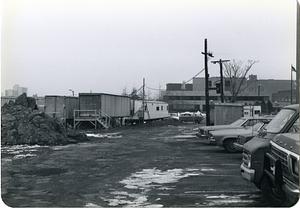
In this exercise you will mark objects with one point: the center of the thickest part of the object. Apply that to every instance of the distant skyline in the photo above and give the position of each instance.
(51, 46)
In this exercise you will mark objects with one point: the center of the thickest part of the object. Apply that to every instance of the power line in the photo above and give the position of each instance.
(150, 88)
(195, 75)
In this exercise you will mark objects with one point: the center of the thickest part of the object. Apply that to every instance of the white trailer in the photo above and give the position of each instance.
(153, 110)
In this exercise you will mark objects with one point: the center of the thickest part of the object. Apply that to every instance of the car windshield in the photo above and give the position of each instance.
(279, 121)
(238, 122)
(257, 126)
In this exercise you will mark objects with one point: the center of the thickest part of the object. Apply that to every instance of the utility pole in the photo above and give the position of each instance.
(207, 108)
(221, 76)
(297, 52)
(143, 100)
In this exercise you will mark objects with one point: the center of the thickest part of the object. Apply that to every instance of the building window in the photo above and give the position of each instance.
(161, 107)
(157, 108)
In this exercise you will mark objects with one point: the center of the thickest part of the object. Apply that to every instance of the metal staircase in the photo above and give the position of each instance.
(104, 120)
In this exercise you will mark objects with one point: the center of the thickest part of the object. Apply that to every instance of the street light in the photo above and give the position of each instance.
(72, 92)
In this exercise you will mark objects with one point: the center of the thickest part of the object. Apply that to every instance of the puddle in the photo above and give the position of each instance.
(145, 181)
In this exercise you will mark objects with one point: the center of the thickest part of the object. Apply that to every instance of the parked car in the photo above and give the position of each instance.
(240, 123)
(254, 151)
(243, 138)
(227, 137)
(190, 117)
(282, 169)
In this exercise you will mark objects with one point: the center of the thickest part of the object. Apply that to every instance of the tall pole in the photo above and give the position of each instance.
(143, 99)
(221, 77)
(292, 70)
(221, 82)
(297, 52)
(207, 107)
(291, 84)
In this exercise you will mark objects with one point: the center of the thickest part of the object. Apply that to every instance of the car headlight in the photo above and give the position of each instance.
(295, 165)
(247, 159)
(241, 139)
(211, 137)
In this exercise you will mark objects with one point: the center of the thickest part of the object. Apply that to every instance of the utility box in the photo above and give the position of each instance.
(252, 111)
(225, 113)
(61, 107)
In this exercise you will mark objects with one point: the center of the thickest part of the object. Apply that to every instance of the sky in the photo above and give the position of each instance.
(51, 46)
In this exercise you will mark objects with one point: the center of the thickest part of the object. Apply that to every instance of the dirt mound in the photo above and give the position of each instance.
(22, 123)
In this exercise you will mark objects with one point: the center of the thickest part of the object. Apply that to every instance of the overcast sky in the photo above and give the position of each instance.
(51, 46)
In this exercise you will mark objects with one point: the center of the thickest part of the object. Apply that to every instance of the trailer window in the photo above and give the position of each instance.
(157, 108)
(161, 107)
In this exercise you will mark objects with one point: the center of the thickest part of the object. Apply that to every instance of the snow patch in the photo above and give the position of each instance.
(208, 169)
(21, 151)
(223, 199)
(20, 156)
(91, 205)
(145, 181)
(108, 135)
(185, 136)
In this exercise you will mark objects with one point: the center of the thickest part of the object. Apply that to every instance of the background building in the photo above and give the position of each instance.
(191, 97)
(15, 91)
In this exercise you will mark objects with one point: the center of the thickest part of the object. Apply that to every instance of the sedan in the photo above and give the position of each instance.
(227, 137)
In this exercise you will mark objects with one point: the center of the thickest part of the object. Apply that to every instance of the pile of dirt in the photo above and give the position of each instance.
(22, 123)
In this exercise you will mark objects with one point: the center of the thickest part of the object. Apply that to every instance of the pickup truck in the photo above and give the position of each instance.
(282, 169)
(254, 151)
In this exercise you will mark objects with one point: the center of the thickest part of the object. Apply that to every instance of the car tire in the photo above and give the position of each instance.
(271, 193)
(229, 146)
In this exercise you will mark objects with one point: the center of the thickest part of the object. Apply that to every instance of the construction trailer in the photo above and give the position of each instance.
(61, 107)
(101, 109)
(153, 110)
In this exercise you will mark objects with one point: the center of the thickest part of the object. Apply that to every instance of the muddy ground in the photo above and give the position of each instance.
(157, 166)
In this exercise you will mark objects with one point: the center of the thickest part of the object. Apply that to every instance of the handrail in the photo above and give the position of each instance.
(93, 114)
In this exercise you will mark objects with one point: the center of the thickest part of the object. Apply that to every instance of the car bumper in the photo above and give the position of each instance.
(205, 139)
(291, 191)
(247, 173)
(201, 136)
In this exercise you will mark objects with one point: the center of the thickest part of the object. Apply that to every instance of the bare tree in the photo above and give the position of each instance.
(135, 94)
(236, 72)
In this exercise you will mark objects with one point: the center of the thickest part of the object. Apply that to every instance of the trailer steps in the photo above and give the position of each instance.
(92, 116)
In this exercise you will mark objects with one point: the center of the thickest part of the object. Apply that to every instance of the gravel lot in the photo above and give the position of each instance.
(152, 166)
